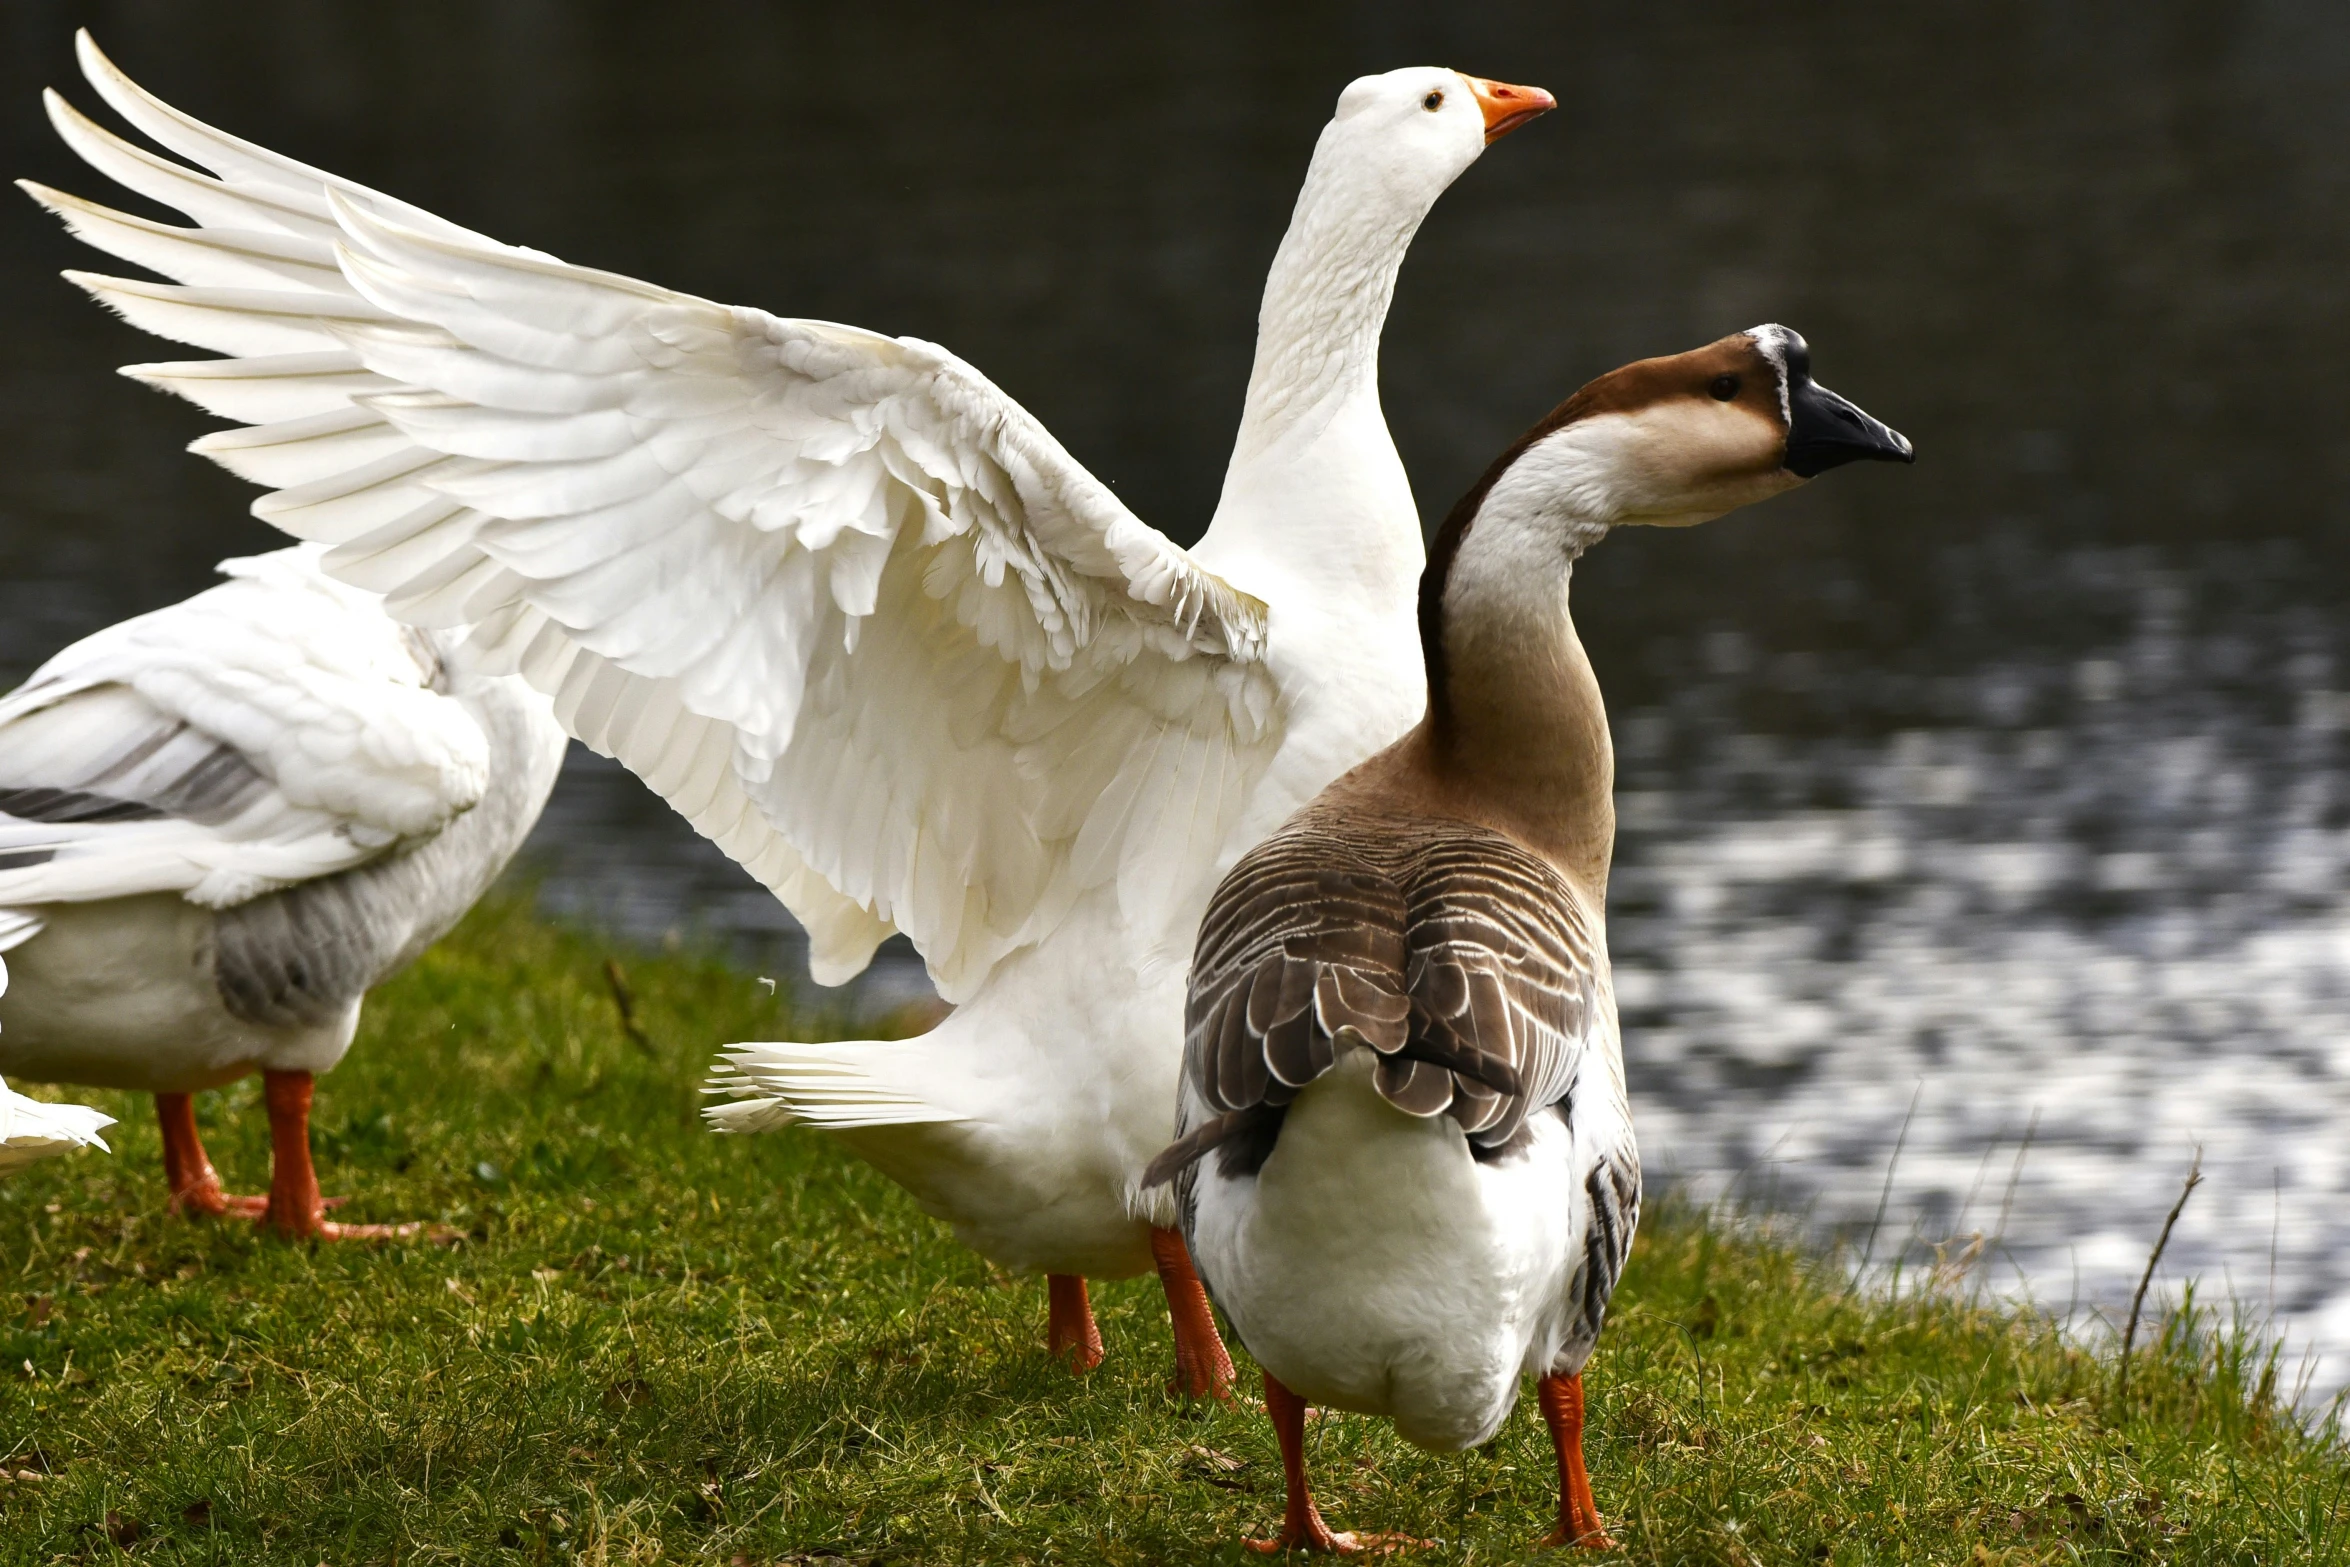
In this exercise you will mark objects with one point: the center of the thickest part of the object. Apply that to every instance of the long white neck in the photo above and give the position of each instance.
(1325, 305)
(1315, 491)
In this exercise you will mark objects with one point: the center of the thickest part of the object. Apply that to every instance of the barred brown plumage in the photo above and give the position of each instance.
(1466, 961)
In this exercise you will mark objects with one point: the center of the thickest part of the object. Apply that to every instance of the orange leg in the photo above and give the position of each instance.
(195, 1185)
(1562, 1411)
(1302, 1528)
(295, 1209)
(1070, 1332)
(1202, 1368)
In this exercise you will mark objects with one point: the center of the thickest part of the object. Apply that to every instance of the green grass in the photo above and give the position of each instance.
(655, 1344)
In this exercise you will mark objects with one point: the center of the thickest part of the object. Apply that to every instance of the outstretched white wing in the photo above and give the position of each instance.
(273, 729)
(841, 601)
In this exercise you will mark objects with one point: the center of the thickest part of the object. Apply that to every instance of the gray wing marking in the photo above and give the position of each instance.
(72, 805)
(1613, 1187)
(162, 768)
(302, 956)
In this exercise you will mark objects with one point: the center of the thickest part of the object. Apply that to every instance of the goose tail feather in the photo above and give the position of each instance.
(852, 1083)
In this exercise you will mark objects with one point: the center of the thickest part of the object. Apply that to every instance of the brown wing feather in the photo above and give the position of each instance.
(1466, 961)
(1311, 934)
(1504, 967)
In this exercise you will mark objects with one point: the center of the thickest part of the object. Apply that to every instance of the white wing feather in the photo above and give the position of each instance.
(31, 1130)
(272, 729)
(839, 599)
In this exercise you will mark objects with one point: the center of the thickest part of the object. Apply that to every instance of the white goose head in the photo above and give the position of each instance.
(1394, 144)
(1399, 138)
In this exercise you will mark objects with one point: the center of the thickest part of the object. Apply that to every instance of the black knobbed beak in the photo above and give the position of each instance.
(1825, 431)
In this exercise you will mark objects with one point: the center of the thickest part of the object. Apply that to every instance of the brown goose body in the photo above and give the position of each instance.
(1404, 1157)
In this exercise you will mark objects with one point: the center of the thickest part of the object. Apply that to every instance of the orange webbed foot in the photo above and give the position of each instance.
(1321, 1539)
(1203, 1367)
(309, 1223)
(210, 1202)
(1071, 1334)
(1592, 1539)
(296, 1211)
(1561, 1398)
(1302, 1528)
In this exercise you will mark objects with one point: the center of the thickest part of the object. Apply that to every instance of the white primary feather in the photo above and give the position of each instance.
(31, 1130)
(270, 730)
(837, 597)
(843, 1084)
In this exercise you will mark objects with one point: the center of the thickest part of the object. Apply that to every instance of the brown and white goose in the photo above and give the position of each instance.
(1405, 1159)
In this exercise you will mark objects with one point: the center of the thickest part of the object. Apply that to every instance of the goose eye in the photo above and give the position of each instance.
(1724, 388)
(1434, 101)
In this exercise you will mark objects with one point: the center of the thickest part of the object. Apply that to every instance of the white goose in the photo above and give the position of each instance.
(221, 824)
(856, 615)
(1402, 1052)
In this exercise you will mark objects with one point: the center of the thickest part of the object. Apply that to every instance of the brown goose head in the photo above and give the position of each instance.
(1665, 442)
(1684, 438)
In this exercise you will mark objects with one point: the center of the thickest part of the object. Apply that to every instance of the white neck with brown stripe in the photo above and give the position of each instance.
(1520, 729)
(1516, 734)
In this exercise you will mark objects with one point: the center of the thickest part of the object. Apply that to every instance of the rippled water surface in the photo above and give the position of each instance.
(2001, 799)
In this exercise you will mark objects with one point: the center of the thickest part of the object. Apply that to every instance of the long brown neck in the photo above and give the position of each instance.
(1516, 733)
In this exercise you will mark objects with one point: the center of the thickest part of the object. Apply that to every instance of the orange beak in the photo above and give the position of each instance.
(1507, 107)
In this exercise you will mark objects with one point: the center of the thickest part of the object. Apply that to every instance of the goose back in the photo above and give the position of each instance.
(1467, 962)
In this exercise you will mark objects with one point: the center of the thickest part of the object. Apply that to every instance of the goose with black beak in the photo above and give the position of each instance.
(1404, 1159)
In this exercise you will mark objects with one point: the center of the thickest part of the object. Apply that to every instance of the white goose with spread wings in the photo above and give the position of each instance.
(222, 823)
(854, 613)
(1405, 1158)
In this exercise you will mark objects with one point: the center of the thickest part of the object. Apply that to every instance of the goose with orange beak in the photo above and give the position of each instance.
(1404, 1161)
(856, 614)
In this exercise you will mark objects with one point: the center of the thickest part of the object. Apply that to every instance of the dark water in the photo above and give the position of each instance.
(2010, 785)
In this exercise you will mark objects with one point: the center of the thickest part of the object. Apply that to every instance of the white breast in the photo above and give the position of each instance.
(1373, 1265)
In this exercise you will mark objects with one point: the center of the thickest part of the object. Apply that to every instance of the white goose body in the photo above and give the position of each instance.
(123, 993)
(850, 608)
(1057, 1082)
(223, 822)
(1404, 1158)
